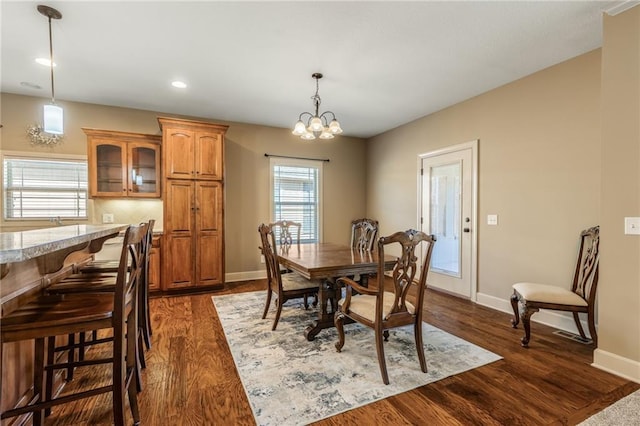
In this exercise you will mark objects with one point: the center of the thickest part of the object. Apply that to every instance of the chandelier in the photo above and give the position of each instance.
(317, 125)
(52, 131)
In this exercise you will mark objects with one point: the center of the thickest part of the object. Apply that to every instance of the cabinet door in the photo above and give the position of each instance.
(180, 206)
(143, 170)
(180, 231)
(209, 155)
(209, 226)
(107, 166)
(178, 146)
(178, 255)
(154, 265)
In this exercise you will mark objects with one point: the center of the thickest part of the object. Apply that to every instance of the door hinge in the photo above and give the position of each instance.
(421, 172)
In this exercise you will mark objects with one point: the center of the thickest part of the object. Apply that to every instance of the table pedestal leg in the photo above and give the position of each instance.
(328, 304)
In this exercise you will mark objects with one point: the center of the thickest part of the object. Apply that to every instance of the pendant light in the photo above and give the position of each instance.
(53, 126)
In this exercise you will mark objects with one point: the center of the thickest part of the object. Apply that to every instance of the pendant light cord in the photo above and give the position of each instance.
(53, 96)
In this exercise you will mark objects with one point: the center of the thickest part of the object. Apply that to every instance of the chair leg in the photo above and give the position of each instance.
(266, 306)
(576, 318)
(381, 361)
(417, 329)
(516, 315)
(385, 334)
(338, 320)
(306, 301)
(278, 312)
(526, 315)
(592, 327)
(143, 320)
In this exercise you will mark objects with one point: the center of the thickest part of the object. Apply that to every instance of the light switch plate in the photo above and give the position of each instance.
(632, 225)
(492, 219)
(107, 218)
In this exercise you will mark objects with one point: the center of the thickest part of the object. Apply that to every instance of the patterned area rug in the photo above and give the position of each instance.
(291, 381)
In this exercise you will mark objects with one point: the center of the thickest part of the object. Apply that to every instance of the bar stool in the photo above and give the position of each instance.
(100, 277)
(53, 315)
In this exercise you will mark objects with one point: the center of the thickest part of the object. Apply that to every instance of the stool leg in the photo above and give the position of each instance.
(38, 376)
(71, 356)
(48, 383)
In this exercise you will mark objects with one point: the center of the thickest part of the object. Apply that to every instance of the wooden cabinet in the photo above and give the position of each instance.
(123, 164)
(193, 193)
(154, 264)
(192, 154)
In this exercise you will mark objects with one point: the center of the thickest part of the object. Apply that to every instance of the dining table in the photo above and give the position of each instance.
(327, 262)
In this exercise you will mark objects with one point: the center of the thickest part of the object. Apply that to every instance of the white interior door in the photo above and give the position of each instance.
(448, 200)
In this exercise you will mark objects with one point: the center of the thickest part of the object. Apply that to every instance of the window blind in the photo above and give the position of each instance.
(36, 188)
(296, 198)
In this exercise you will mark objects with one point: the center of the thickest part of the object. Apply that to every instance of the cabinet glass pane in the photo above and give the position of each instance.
(143, 170)
(109, 168)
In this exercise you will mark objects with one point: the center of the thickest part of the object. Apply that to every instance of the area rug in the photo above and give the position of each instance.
(622, 413)
(291, 381)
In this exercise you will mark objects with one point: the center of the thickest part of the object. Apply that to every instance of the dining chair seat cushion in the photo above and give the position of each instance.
(364, 305)
(293, 281)
(546, 293)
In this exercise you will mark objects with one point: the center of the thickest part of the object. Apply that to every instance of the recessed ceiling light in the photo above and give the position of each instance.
(30, 85)
(46, 62)
(179, 84)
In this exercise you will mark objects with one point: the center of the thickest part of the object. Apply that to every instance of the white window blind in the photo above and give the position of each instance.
(39, 188)
(296, 195)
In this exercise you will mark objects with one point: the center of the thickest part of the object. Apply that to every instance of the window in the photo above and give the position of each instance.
(296, 186)
(41, 188)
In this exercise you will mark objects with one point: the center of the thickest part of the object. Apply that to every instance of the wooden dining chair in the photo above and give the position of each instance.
(287, 232)
(284, 286)
(382, 310)
(528, 298)
(363, 234)
(48, 316)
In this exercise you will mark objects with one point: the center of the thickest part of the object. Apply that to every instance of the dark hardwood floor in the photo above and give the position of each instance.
(191, 379)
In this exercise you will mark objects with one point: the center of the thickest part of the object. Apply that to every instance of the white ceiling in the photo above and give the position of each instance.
(385, 63)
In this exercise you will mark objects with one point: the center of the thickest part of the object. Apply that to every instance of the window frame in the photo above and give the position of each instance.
(44, 156)
(317, 164)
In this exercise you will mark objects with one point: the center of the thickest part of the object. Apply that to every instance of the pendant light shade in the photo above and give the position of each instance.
(53, 119)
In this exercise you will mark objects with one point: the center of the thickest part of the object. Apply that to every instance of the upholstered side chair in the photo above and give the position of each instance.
(528, 298)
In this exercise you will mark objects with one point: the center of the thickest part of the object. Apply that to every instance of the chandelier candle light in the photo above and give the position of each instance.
(53, 115)
(317, 125)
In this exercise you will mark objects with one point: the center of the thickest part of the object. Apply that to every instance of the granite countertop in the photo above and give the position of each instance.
(24, 245)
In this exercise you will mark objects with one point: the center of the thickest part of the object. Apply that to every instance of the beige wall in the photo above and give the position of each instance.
(247, 171)
(619, 292)
(539, 170)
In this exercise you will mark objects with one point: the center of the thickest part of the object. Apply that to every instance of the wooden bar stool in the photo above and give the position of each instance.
(54, 315)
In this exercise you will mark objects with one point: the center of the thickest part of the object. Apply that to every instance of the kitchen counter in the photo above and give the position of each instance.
(25, 245)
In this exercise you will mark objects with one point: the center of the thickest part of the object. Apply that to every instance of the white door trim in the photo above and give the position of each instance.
(473, 145)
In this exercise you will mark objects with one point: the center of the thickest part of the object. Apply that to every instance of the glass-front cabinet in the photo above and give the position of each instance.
(123, 165)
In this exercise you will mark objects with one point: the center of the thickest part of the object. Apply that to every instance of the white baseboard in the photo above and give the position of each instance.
(245, 276)
(615, 364)
(603, 360)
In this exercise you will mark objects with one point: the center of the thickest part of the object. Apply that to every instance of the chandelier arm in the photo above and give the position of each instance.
(305, 113)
